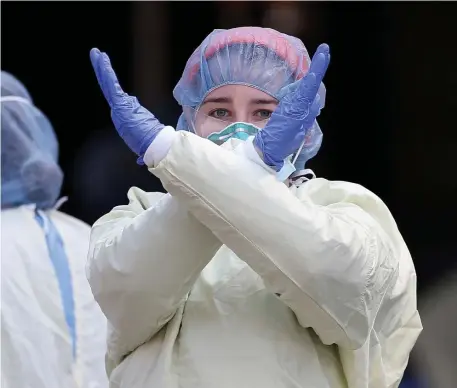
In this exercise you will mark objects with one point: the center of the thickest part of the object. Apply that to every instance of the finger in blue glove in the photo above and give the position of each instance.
(135, 124)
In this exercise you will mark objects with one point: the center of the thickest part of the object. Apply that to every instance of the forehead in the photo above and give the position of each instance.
(238, 93)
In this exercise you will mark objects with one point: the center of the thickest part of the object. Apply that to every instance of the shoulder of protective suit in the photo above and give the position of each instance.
(14, 219)
(324, 192)
(68, 219)
(340, 197)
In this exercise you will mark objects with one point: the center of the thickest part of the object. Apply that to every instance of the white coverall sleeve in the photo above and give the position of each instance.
(332, 265)
(143, 260)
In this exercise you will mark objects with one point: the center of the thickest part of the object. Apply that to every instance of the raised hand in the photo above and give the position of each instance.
(294, 115)
(135, 124)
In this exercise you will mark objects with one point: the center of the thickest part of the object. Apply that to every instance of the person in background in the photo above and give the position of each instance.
(249, 272)
(52, 330)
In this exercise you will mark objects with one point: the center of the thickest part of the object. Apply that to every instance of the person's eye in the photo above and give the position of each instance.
(263, 114)
(220, 113)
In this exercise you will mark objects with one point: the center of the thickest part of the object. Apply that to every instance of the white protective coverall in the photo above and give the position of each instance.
(36, 342)
(234, 280)
(53, 332)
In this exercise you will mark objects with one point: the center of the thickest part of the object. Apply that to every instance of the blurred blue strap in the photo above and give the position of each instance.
(61, 266)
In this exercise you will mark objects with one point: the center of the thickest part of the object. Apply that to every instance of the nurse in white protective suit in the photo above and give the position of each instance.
(53, 332)
(247, 273)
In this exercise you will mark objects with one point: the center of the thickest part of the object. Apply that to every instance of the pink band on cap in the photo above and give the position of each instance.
(263, 36)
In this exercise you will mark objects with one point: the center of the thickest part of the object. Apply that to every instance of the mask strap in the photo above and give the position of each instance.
(299, 150)
(60, 202)
(16, 99)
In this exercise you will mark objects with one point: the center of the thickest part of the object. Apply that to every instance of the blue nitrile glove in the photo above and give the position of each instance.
(295, 114)
(135, 124)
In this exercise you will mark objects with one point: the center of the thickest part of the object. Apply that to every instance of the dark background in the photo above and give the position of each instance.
(390, 121)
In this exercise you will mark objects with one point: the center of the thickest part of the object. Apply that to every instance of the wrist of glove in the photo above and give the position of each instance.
(136, 125)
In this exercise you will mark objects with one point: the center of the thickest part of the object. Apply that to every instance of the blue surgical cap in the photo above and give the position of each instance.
(261, 58)
(29, 150)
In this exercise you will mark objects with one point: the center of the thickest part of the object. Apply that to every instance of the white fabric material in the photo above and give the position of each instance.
(36, 343)
(162, 143)
(159, 147)
(248, 151)
(235, 280)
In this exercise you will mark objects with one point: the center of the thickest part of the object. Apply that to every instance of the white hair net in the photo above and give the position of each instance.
(257, 57)
(29, 150)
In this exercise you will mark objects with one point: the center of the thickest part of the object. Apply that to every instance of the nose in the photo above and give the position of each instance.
(243, 117)
(248, 117)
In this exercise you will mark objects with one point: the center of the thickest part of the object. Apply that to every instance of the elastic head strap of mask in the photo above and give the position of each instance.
(15, 99)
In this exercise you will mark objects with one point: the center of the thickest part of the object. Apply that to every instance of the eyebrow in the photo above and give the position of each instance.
(263, 101)
(225, 100)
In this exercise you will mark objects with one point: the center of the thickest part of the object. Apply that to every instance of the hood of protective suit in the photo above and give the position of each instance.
(29, 150)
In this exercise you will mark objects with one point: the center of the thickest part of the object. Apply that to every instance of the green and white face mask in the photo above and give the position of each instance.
(242, 131)
(238, 130)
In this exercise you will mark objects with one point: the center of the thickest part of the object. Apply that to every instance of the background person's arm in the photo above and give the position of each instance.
(143, 260)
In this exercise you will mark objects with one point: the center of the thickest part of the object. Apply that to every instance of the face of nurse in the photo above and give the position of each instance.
(233, 103)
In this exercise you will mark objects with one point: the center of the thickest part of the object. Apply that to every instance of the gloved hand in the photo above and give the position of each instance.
(294, 115)
(135, 124)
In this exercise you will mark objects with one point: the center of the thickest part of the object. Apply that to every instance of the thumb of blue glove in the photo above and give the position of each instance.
(135, 124)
